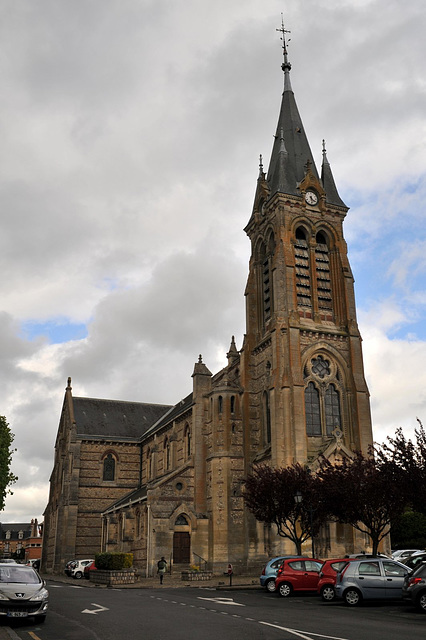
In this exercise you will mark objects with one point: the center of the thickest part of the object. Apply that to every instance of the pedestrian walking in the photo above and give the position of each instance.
(161, 568)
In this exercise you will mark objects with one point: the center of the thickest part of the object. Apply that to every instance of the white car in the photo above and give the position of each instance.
(404, 553)
(22, 592)
(75, 568)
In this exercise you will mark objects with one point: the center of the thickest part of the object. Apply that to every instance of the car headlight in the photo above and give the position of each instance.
(41, 595)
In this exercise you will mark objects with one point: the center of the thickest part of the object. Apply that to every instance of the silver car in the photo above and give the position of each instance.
(370, 579)
(22, 592)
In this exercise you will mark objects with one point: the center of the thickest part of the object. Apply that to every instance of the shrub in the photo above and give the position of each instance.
(113, 561)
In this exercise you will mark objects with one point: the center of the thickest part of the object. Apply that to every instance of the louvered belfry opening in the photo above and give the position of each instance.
(303, 276)
(322, 266)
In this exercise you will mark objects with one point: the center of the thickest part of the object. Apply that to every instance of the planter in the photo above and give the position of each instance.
(113, 578)
(197, 575)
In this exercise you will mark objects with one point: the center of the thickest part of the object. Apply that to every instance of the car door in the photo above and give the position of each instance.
(394, 576)
(311, 575)
(370, 579)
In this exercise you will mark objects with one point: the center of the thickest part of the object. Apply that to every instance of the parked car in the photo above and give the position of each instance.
(404, 553)
(88, 568)
(75, 568)
(22, 592)
(328, 575)
(414, 587)
(415, 559)
(270, 570)
(298, 574)
(374, 578)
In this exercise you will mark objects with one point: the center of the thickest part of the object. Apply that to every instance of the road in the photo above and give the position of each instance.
(79, 613)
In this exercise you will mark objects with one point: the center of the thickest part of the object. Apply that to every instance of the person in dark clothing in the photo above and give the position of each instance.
(161, 568)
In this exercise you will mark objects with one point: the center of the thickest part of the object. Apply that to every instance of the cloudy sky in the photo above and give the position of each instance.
(130, 140)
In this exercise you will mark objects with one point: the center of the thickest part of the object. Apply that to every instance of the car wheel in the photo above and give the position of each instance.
(327, 593)
(285, 589)
(352, 597)
(78, 575)
(421, 601)
(270, 586)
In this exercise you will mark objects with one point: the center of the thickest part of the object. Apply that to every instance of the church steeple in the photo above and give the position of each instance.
(287, 171)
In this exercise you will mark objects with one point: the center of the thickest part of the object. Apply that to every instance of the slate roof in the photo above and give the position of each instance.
(291, 151)
(116, 419)
(133, 496)
(15, 528)
(174, 412)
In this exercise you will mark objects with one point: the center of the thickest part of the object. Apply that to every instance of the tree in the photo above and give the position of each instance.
(6, 476)
(270, 495)
(364, 493)
(410, 458)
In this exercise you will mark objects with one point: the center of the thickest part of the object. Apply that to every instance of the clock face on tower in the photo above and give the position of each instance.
(311, 197)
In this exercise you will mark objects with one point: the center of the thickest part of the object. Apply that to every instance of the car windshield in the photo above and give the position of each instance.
(18, 574)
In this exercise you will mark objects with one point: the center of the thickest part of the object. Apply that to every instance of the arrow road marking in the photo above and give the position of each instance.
(229, 601)
(100, 608)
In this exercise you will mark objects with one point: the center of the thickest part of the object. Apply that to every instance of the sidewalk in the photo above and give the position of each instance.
(173, 580)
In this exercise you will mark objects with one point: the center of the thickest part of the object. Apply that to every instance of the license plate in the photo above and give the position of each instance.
(17, 614)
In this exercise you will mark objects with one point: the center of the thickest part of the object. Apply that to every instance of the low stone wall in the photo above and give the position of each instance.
(197, 575)
(112, 578)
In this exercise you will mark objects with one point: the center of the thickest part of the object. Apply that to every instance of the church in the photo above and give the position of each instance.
(159, 480)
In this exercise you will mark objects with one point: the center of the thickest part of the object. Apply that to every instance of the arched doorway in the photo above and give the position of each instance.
(181, 541)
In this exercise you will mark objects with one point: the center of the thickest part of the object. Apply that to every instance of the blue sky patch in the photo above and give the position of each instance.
(56, 332)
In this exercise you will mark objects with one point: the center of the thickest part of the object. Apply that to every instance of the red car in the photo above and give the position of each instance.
(327, 577)
(297, 574)
(87, 569)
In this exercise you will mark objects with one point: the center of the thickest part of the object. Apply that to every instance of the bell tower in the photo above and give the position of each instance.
(302, 365)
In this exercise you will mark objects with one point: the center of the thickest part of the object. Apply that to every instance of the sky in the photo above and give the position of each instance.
(130, 139)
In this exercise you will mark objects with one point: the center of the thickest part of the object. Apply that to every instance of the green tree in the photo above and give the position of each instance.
(270, 494)
(6, 476)
(410, 457)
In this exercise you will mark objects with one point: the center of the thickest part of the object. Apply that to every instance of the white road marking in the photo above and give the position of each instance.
(229, 601)
(301, 634)
(98, 610)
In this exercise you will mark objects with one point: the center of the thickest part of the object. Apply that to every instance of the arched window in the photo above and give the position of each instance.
(312, 410)
(109, 468)
(332, 409)
(187, 441)
(303, 274)
(181, 520)
(266, 417)
(266, 254)
(166, 458)
(220, 404)
(322, 397)
(232, 404)
(148, 464)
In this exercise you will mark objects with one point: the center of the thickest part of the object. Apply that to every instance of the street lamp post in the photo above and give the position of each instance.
(298, 498)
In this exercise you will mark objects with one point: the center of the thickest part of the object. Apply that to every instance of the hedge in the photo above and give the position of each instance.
(113, 561)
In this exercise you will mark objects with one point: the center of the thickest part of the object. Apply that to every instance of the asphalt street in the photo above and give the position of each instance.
(79, 613)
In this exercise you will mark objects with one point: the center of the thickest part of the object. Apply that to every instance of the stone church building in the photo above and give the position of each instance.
(167, 480)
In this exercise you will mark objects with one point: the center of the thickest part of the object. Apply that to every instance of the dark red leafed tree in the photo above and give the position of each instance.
(364, 493)
(288, 497)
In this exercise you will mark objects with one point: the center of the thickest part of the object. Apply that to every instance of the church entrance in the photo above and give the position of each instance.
(181, 547)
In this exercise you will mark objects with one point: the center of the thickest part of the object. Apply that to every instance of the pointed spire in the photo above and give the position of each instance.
(232, 354)
(285, 173)
(332, 195)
